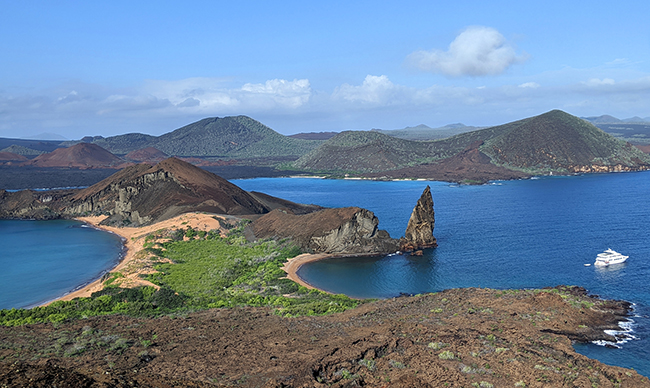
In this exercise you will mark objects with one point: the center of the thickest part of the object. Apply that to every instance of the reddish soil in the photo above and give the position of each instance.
(471, 165)
(455, 338)
(644, 148)
(146, 155)
(82, 155)
(11, 157)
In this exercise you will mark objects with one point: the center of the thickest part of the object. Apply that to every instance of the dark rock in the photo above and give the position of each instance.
(419, 231)
(349, 230)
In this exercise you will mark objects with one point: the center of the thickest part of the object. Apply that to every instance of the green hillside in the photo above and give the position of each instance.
(233, 137)
(558, 141)
(365, 151)
(123, 144)
(237, 137)
(423, 132)
(552, 142)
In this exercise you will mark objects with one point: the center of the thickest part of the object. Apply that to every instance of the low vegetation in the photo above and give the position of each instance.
(197, 270)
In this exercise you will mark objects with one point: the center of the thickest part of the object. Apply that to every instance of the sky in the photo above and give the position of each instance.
(88, 68)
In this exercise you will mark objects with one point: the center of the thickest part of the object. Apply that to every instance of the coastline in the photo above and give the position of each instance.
(133, 242)
(292, 266)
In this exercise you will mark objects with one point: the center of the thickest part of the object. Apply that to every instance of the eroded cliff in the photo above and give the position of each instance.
(349, 230)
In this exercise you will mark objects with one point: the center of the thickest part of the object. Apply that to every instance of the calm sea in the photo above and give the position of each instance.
(42, 260)
(514, 234)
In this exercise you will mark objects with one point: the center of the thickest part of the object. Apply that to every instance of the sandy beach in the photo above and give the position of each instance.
(292, 266)
(133, 242)
(133, 239)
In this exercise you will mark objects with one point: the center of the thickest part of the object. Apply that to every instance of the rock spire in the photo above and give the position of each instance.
(419, 231)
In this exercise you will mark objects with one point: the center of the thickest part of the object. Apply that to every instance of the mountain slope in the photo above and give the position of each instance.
(365, 151)
(552, 142)
(82, 155)
(228, 137)
(423, 132)
(144, 194)
(558, 141)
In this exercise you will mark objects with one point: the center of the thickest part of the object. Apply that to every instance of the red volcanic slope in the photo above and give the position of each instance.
(644, 148)
(149, 154)
(11, 157)
(82, 155)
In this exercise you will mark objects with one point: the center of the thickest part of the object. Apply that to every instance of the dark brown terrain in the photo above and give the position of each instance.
(455, 338)
(468, 166)
(11, 157)
(146, 155)
(350, 230)
(82, 155)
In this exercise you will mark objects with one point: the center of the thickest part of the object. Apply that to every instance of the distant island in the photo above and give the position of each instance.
(239, 147)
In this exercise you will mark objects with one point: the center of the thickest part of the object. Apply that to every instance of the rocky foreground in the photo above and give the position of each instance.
(455, 338)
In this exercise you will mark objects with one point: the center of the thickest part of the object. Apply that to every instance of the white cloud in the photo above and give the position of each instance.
(477, 51)
(529, 85)
(279, 92)
(599, 82)
(374, 90)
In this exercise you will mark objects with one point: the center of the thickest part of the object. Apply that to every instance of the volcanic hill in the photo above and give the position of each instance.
(552, 142)
(229, 137)
(365, 151)
(558, 141)
(11, 157)
(146, 155)
(82, 155)
(143, 194)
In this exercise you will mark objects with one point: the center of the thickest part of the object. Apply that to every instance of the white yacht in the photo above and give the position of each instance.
(609, 257)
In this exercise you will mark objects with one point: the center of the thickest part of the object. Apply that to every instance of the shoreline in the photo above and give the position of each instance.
(293, 265)
(132, 243)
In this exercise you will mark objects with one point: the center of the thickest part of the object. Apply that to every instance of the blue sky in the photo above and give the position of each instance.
(80, 68)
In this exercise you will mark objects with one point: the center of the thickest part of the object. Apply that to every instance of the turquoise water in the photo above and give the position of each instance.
(515, 234)
(42, 260)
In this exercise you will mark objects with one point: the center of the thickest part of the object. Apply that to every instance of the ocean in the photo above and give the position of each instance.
(43, 260)
(509, 234)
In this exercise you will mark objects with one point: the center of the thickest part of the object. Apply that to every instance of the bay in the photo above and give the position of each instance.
(512, 234)
(43, 260)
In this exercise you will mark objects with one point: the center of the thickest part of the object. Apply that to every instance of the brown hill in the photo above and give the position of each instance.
(11, 157)
(644, 148)
(82, 155)
(558, 141)
(144, 194)
(349, 230)
(468, 166)
(146, 155)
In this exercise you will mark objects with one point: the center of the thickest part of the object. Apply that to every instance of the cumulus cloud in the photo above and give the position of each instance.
(477, 51)
(375, 90)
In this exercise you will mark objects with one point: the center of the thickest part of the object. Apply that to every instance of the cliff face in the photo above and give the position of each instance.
(419, 231)
(35, 205)
(350, 230)
(143, 194)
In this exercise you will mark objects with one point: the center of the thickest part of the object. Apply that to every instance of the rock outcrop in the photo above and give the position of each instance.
(419, 231)
(350, 230)
(143, 194)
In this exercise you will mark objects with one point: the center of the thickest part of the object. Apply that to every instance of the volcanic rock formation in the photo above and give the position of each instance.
(144, 194)
(349, 230)
(419, 231)
(82, 155)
